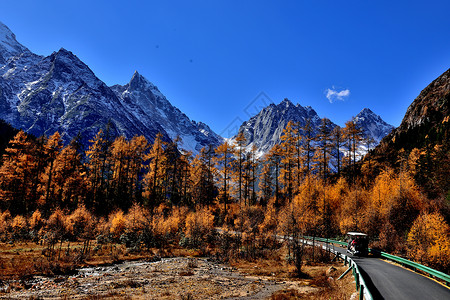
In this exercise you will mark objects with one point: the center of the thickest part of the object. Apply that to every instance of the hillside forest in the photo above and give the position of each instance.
(151, 195)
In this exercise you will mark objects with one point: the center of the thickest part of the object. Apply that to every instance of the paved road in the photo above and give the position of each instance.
(389, 281)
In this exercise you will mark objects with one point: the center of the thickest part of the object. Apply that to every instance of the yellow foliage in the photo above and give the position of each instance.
(390, 189)
(36, 220)
(270, 218)
(19, 222)
(382, 192)
(56, 224)
(81, 223)
(137, 219)
(335, 193)
(102, 226)
(429, 239)
(117, 220)
(353, 210)
(199, 222)
(171, 223)
(5, 221)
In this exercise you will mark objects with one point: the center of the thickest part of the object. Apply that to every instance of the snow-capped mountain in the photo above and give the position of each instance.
(372, 125)
(264, 130)
(149, 105)
(59, 92)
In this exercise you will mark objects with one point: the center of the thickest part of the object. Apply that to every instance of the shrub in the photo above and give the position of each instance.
(19, 228)
(5, 223)
(80, 224)
(197, 226)
(117, 221)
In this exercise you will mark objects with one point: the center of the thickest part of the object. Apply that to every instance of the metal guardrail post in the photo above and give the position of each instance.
(345, 273)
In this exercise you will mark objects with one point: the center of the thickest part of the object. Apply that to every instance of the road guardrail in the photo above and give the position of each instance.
(415, 266)
(361, 287)
(403, 261)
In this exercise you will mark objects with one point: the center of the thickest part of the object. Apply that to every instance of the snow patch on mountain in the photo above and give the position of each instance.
(372, 125)
(143, 99)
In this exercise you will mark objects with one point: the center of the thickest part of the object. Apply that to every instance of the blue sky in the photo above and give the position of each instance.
(213, 58)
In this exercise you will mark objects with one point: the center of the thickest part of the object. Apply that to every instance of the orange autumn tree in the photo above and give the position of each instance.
(17, 176)
(223, 160)
(154, 178)
(52, 147)
(98, 172)
(429, 240)
(202, 173)
(265, 181)
(138, 151)
(250, 166)
(80, 224)
(352, 135)
(274, 162)
(288, 149)
(120, 163)
(69, 179)
(238, 164)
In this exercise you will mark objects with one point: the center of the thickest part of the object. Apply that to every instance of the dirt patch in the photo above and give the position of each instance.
(170, 278)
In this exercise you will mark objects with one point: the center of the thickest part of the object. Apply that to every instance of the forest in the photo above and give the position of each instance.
(147, 195)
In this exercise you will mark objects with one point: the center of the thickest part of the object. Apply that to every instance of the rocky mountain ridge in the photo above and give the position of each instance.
(264, 130)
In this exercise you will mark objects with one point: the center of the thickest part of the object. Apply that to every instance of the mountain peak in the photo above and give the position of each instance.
(138, 82)
(9, 46)
(372, 125)
(286, 102)
(366, 111)
(64, 51)
(65, 54)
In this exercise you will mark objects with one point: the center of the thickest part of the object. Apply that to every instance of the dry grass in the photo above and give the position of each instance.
(290, 294)
(274, 265)
(317, 275)
(21, 260)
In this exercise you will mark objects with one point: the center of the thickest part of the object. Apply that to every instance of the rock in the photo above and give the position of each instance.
(331, 272)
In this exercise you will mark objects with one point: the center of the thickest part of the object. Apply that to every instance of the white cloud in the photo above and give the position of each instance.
(334, 95)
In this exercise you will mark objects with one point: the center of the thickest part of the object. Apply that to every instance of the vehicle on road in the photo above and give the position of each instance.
(358, 243)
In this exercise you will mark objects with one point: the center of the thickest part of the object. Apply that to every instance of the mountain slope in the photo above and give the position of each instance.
(9, 46)
(422, 140)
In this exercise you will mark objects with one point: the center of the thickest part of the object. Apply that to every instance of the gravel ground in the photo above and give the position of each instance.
(169, 278)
